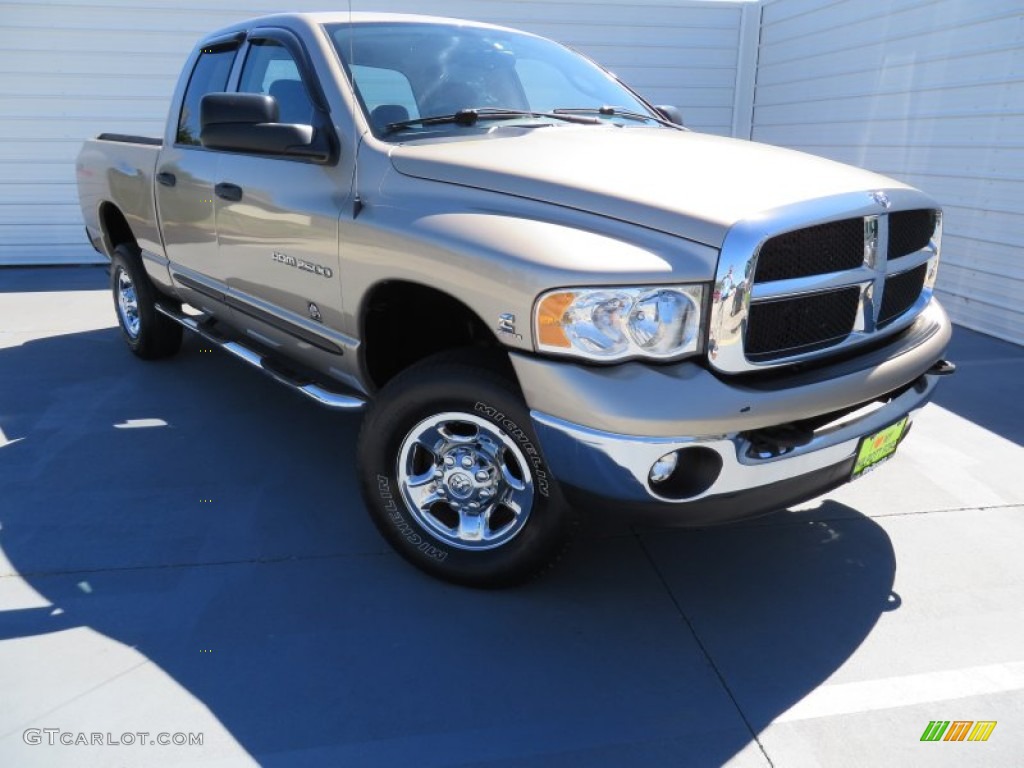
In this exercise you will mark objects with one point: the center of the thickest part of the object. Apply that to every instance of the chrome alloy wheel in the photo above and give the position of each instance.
(465, 481)
(127, 304)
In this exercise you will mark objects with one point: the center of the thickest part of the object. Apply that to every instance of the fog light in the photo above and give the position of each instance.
(685, 473)
(664, 467)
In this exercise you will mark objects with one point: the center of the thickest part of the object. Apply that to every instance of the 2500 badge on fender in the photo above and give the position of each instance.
(305, 266)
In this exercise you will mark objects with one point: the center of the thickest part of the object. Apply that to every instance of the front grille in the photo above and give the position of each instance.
(788, 297)
(901, 291)
(832, 247)
(786, 327)
(910, 231)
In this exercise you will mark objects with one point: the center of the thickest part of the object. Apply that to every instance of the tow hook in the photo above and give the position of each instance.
(943, 368)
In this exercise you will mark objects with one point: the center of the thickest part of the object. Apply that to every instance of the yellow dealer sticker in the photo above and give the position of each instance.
(876, 448)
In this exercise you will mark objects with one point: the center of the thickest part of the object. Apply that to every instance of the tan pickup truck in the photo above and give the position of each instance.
(547, 293)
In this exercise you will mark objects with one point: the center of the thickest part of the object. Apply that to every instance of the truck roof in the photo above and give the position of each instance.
(342, 17)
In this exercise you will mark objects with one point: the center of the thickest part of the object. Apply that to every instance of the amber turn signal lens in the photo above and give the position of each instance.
(550, 327)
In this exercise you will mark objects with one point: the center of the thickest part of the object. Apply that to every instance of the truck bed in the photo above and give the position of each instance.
(119, 169)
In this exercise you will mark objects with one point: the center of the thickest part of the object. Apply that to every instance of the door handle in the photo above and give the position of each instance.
(167, 179)
(230, 192)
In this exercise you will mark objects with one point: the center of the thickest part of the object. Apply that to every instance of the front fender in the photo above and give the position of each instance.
(496, 254)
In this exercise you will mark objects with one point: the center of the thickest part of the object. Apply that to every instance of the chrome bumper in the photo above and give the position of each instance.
(617, 467)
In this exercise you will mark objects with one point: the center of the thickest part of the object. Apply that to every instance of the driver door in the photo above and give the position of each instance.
(277, 222)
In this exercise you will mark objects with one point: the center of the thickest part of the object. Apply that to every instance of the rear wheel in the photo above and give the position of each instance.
(454, 478)
(148, 334)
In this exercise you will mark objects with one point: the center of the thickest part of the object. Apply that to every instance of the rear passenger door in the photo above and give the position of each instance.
(277, 218)
(185, 180)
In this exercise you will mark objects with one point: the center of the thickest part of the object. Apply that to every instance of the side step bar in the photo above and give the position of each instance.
(325, 397)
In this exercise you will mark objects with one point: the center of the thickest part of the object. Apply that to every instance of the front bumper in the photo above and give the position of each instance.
(607, 455)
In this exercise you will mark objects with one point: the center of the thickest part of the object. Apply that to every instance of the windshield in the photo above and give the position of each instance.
(406, 71)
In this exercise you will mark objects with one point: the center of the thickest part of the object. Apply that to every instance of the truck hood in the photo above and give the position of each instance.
(687, 184)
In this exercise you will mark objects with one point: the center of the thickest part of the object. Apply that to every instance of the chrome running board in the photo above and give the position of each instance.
(322, 395)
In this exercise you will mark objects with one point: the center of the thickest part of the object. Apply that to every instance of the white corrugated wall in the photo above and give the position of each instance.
(70, 69)
(930, 92)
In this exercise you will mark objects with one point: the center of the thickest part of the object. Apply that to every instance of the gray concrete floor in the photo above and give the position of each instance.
(183, 549)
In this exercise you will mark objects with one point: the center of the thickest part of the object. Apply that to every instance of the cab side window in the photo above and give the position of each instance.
(210, 75)
(271, 69)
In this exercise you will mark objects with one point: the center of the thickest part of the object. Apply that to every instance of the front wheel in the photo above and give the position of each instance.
(454, 477)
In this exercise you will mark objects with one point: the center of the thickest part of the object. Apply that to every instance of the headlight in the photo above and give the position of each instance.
(608, 324)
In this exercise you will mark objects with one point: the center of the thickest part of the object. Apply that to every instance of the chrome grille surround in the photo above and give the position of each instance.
(730, 314)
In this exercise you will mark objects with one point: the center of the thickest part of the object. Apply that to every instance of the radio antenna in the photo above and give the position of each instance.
(357, 202)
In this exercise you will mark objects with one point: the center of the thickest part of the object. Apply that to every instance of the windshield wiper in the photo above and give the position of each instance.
(615, 112)
(469, 117)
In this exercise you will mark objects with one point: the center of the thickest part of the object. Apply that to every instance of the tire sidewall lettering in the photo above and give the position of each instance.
(519, 435)
(403, 527)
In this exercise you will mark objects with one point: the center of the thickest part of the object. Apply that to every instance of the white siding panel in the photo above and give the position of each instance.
(994, 289)
(31, 150)
(955, 69)
(987, 259)
(38, 194)
(864, 23)
(55, 252)
(21, 234)
(930, 92)
(896, 131)
(95, 63)
(76, 40)
(80, 84)
(28, 213)
(972, 310)
(957, 101)
(874, 56)
(70, 69)
(71, 107)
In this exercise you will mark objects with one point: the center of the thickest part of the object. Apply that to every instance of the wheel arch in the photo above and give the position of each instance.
(115, 227)
(402, 322)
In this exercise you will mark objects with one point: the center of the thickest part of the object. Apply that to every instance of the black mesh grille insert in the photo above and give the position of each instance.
(832, 247)
(788, 327)
(910, 231)
(901, 291)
